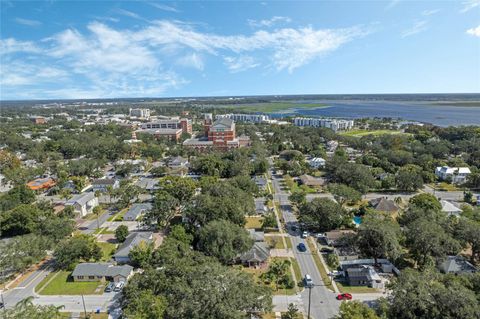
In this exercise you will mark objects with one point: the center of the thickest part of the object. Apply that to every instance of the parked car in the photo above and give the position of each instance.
(301, 247)
(1, 305)
(304, 234)
(119, 286)
(307, 280)
(344, 297)
(110, 287)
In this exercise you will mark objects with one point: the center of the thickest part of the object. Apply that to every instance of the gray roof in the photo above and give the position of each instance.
(362, 273)
(260, 180)
(259, 253)
(256, 235)
(81, 199)
(103, 181)
(260, 205)
(147, 183)
(177, 161)
(136, 210)
(103, 270)
(384, 205)
(457, 264)
(133, 240)
(223, 122)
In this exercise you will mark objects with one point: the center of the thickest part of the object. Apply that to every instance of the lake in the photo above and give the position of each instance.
(441, 115)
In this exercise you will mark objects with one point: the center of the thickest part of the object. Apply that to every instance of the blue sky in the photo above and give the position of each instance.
(93, 49)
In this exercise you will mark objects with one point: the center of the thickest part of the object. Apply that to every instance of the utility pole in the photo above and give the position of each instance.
(84, 308)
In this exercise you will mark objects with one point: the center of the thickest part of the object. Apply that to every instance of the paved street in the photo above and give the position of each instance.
(323, 302)
(104, 302)
(90, 226)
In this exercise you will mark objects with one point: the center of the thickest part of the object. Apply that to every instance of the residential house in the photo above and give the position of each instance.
(101, 272)
(84, 203)
(456, 265)
(383, 204)
(136, 210)
(102, 184)
(178, 162)
(40, 184)
(260, 207)
(458, 175)
(332, 237)
(346, 253)
(317, 162)
(257, 236)
(148, 184)
(257, 256)
(311, 181)
(363, 275)
(450, 208)
(132, 241)
(261, 182)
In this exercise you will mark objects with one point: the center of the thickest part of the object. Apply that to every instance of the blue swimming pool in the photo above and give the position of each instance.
(357, 220)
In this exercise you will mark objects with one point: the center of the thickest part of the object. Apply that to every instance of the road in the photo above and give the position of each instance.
(91, 226)
(324, 305)
(105, 302)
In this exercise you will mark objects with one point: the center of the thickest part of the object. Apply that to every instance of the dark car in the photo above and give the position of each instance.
(110, 287)
(302, 247)
(344, 297)
(1, 305)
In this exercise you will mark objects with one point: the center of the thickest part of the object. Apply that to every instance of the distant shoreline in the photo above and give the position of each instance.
(457, 103)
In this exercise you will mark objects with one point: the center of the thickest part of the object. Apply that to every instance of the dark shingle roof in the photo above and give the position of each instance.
(258, 253)
(133, 240)
(384, 205)
(136, 210)
(104, 270)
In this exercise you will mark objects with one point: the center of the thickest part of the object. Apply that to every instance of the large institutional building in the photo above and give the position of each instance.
(220, 134)
(170, 128)
(334, 124)
(252, 118)
(140, 113)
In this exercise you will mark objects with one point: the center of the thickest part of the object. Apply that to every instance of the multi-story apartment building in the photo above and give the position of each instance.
(142, 113)
(252, 118)
(458, 175)
(334, 124)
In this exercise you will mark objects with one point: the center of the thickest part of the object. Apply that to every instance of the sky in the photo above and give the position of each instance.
(115, 49)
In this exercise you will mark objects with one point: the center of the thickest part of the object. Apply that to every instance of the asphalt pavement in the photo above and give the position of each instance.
(323, 302)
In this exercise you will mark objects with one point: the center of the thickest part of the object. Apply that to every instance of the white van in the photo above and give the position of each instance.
(119, 286)
(308, 281)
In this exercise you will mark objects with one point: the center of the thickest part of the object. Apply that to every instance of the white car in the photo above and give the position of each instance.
(307, 280)
(305, 234)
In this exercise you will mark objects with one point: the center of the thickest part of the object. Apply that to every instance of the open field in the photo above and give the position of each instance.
(275, 241)
(360, 133)
(60, 283)
(108, 249)
(253, 222)
(275, 106)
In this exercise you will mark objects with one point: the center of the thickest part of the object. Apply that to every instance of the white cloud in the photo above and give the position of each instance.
(474, 31)
(418, 26)
(241, 63)
(427, 13)
(164, 7)
(193, 60)
(268, 22)
(469, 5)
(141, 62)
(10, 45)
(28, 22)
(128, 14)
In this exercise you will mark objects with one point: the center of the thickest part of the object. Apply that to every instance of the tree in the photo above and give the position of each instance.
(423, 295)
(292, 312)
(428, 241)
(357, 176)
(158, 171)
(278, 274)
(79, 247)
(356, 310)
(121, 233)
(468, 231)
(378, 237)
(141, 255)
(344, 194)
(178, 233)
(468, 197)
(269, 221)
(409, 178)
(163, 209)
(196, 286)
(223, 240)
(147, 305)
(426, 201)
(180, 188)
(298, 198)
(322, 214)
(19, 221)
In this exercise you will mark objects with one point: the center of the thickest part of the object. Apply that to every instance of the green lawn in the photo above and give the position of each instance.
(118, 217)
(360, 133)
(60, 283)
(108, 249)
(253, 222)
(277, 240)
(354, 289)
(296, 270)
(444, 187)
(103, 230)
(289, 243)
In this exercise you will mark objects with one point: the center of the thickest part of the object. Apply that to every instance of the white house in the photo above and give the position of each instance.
(102, 184)
(317, 162)
(83, 203)
(457, 175)
(450, 209)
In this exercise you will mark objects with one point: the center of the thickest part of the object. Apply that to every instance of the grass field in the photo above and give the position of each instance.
(275, 239)
(108, 249)
(276, 106)
(253, 222)
(60, 283)
(355, 289)
(360, 133)
(444, 187)
(289, 243)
